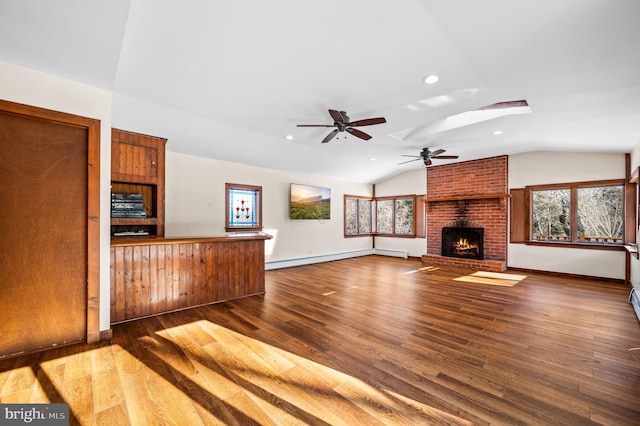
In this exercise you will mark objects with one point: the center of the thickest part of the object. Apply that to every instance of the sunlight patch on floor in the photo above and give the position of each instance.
(14, 389)
(272, 378)
(423, 269)
(492, 278)
(451, 419)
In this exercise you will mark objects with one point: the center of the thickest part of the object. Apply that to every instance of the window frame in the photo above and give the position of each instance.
(394, 199)
(358, 198)
(418, 219)
(257, 190)
(522, 215)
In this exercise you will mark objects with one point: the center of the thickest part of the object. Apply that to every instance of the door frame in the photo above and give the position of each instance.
(92, 126)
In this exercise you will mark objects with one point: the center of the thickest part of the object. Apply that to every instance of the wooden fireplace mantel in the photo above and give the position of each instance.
(467, 197)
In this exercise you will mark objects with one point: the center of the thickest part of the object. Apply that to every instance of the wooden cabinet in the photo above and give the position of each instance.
(137, 167)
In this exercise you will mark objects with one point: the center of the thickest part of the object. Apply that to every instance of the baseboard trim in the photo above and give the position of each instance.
(288, 263)
(106, 334)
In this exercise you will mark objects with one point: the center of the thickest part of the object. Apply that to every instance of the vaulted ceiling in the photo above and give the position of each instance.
(231, 80)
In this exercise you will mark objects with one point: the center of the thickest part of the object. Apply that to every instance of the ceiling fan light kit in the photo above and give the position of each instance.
(343, 123)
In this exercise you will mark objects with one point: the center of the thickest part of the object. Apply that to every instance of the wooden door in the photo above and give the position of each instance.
(44, 237)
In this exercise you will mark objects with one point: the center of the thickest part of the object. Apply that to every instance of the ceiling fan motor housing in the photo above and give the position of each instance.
(345, 121)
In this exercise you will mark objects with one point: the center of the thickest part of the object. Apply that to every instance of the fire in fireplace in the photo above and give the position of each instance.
(466, 243)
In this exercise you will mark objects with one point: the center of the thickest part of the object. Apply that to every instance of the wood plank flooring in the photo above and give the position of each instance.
(364, 341)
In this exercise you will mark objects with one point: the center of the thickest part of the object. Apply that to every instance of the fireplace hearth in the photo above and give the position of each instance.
(463, 242)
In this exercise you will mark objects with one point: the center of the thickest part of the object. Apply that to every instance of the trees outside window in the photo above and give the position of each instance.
(357, 216)
(404, 216)
(600, 214)
(551, 216)
(590, 212)
(384, 216)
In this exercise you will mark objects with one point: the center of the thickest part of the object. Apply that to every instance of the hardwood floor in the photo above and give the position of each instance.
(364, 341)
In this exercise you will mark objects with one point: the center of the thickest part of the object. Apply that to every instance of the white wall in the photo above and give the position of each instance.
(554, 167)
(29, 87)
(195, 203)
(412, 182)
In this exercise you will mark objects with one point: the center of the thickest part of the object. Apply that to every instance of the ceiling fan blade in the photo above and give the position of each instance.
(330, 136)
(414, 156)
(435, 153)
(358, 133)
(368, 121)
(315, 125)
(445, 156)
(404, 162)
(337, 117)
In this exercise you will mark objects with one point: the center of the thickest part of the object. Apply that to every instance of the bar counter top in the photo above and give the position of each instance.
(145, 241)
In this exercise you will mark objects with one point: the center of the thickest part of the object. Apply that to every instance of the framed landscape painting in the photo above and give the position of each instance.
(309, 202)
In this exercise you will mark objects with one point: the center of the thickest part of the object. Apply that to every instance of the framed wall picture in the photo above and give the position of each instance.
(309, 202)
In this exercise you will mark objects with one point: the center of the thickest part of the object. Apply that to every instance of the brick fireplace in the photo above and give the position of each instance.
(468, 196)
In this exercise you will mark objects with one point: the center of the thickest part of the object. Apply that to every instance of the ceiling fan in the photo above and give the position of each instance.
(426, 155)
(342, 123)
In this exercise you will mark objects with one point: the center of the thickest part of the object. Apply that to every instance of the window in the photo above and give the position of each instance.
(600, 214)
(551, 216)
(585, 213)
(357, 216)
(384, 216)
(395, 216)
(243, 207)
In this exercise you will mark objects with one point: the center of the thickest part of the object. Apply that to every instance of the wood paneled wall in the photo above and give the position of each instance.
(156, 277)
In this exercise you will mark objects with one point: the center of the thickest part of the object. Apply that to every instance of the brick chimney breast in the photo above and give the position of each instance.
(464, 197)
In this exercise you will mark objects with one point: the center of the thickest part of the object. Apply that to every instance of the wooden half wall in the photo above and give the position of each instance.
(154, 276)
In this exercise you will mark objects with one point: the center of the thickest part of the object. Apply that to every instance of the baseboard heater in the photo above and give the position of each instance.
(634, 299)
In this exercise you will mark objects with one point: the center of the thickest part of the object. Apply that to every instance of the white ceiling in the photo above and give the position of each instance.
(229, 80)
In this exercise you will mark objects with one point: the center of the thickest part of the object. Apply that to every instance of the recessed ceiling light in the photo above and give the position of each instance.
(289, 137)
(373, 158)
(497, 132)
(430, 79)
